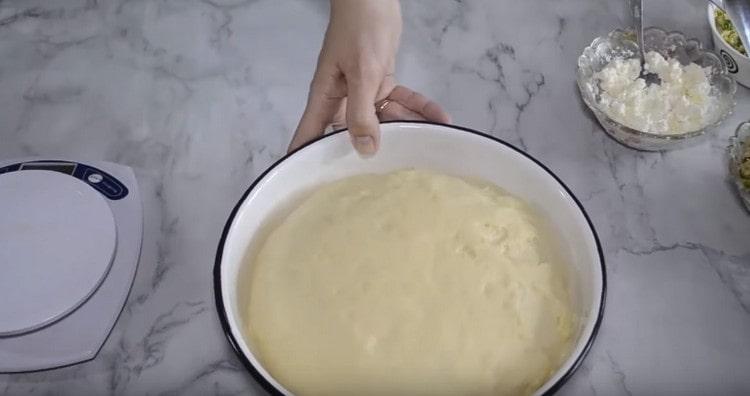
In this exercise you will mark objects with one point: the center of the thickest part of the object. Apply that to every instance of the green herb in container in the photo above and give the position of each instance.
(744, 164)
(726, 29)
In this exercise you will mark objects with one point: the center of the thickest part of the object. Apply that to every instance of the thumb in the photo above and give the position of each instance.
(360, 112)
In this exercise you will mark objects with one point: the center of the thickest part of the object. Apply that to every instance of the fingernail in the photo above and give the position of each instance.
(365, 145)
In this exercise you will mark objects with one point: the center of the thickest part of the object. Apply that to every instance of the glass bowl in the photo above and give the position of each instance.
(737, 146)
(622, 44)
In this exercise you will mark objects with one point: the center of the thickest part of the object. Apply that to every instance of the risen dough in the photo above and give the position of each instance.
(409, 283)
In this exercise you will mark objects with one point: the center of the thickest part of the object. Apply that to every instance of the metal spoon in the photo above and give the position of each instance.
(739, 13)
(637, 7)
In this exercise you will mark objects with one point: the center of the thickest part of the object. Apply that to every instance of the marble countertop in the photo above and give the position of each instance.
(199, 96)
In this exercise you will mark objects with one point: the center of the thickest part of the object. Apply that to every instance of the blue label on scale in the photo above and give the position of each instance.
(101, 181)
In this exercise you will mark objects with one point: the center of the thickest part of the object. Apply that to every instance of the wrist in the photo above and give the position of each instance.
(366, 8)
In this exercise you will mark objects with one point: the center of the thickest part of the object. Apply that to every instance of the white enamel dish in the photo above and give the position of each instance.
(442, 148)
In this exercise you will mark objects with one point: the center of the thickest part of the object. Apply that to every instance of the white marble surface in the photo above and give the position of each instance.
(200, 96)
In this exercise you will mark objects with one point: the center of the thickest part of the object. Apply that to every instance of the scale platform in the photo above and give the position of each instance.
(70, 240)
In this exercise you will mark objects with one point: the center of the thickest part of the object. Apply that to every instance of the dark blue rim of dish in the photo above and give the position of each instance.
(217, 266)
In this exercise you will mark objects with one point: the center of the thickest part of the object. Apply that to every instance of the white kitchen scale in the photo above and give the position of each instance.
(70, 239)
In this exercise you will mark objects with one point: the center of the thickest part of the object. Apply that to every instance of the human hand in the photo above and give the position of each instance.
(355, 72)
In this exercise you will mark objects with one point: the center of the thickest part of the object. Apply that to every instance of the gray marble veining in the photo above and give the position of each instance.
(199, 96)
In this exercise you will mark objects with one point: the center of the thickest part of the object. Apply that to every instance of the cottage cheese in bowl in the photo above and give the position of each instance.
(681, 103)
(695, 94)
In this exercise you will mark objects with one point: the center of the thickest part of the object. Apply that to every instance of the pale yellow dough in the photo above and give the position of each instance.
(410, 283)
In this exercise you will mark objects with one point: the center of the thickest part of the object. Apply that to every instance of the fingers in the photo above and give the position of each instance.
(339, 119)
(418, 103)
(360, 112)
(396, 111)
(386, 87)
(320, 110)
(328, 97)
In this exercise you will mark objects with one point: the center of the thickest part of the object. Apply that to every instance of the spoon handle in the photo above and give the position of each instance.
(637, 8)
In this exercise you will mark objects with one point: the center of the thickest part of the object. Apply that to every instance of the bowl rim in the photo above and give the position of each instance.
(662, 137)
(735, 141)
(217, 278)
(711, 7)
